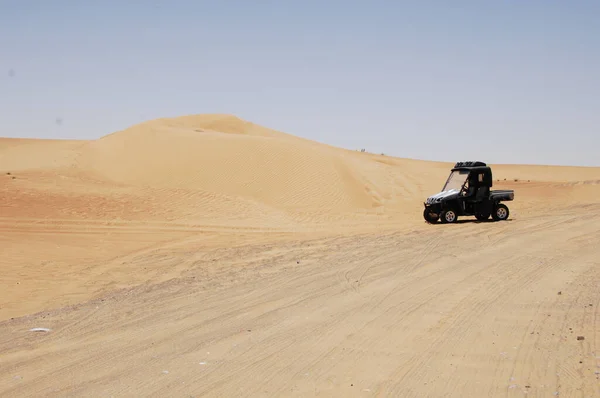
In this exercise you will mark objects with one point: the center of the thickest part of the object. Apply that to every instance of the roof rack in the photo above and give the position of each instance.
(469, 163)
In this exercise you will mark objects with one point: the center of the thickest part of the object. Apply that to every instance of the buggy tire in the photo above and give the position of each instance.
(448, 216)
(500, 212)
(428, 215)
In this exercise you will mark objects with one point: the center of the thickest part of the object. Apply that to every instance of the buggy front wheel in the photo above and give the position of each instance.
(448, 216)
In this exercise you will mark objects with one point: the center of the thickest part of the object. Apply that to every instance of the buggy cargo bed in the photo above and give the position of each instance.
(502, 194)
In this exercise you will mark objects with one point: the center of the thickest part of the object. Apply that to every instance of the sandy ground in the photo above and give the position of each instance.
(208, 256)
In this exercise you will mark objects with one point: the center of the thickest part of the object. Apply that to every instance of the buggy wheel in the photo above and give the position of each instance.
(500, 213)
(448, 216)
(430, 216)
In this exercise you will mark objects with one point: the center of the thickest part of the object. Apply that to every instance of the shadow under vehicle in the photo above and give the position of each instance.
(467, 193)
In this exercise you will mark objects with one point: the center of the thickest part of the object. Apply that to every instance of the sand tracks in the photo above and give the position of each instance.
(428, 316)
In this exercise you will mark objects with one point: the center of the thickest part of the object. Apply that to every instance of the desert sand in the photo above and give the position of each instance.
(209, 256)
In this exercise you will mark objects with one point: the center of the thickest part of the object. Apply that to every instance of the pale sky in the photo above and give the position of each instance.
(497, 81)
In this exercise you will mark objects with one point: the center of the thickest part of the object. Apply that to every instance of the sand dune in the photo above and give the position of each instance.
(266, 169)
(246, 261)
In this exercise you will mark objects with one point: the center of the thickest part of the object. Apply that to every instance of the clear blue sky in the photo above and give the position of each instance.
(500, 81)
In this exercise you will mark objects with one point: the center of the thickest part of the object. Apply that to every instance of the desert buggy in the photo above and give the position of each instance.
(467, 193)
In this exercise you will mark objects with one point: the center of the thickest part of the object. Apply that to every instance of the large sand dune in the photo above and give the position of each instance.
(209, 256)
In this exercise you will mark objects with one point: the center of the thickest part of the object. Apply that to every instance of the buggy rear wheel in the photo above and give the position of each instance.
(500, 213)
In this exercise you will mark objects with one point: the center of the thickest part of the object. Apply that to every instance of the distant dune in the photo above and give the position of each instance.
(222, 170)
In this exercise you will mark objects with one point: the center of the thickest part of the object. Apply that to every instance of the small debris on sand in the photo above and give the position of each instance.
(39, 330)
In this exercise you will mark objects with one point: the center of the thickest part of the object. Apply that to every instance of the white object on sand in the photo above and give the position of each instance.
(39, 330)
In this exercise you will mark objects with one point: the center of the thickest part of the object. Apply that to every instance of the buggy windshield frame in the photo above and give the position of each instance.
(456, 180)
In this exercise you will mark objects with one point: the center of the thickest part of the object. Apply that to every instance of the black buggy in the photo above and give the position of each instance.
(467, 193)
